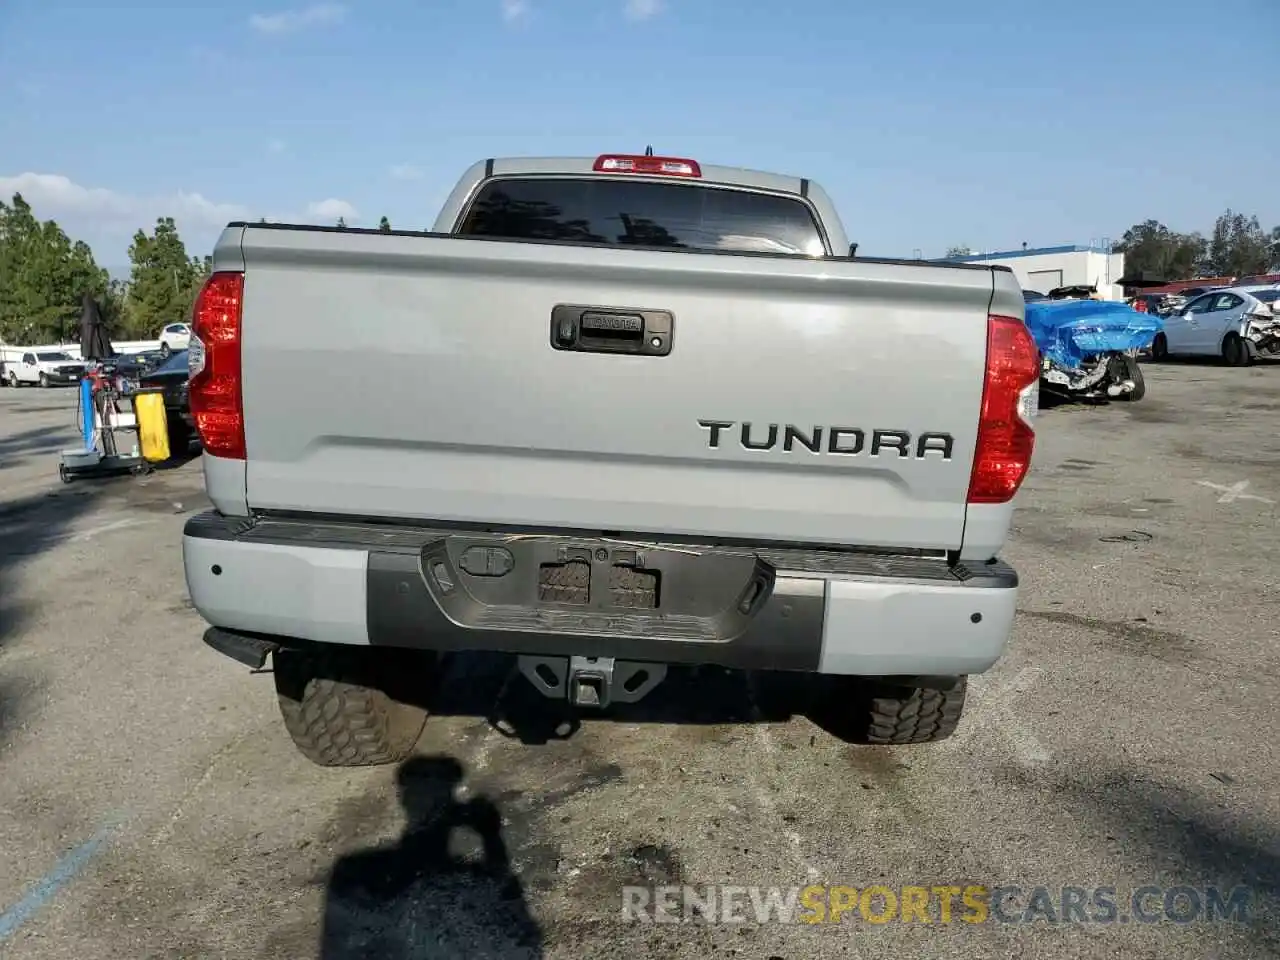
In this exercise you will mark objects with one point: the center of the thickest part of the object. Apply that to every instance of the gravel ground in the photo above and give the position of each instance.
(151, 804)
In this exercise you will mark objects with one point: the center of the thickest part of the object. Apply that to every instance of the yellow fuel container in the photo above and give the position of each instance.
(153, 426)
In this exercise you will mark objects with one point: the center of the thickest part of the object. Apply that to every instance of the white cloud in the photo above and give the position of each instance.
(405, 171)
(513, 10)
(642, 9)
(53, 196)
(289, 21)
(107, 219)
(332, 209)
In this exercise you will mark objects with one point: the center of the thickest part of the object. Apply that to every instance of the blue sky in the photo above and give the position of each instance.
(931, 122)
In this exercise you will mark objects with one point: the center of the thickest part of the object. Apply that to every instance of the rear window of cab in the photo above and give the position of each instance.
(643, 213)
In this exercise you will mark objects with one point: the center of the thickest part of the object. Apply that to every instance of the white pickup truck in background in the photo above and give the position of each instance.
(40, 366)
(610, 415)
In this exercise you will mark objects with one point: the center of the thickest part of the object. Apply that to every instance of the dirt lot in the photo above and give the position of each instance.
(151, 804)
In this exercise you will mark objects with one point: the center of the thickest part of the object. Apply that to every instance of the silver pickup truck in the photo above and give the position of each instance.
(608, 416)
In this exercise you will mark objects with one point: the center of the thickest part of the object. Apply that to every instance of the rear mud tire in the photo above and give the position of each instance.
(351, 708)
(891, 715)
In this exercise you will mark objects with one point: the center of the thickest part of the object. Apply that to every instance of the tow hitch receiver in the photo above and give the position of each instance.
(593, 682)
(590, 681)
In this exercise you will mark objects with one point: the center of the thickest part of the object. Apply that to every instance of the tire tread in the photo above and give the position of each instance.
(915, 715)
(336, 714)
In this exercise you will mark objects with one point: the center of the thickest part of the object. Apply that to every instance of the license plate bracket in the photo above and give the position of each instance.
(538, 580)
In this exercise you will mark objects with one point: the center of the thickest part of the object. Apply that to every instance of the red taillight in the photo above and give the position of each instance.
(1009, 397)
(213, 388)
(664, 166)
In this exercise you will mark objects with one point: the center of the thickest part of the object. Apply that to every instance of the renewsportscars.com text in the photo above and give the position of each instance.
(936, 904)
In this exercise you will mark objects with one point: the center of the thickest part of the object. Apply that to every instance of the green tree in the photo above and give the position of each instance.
(163, 281)
(384, 225)
(43, 275)
(959, 251)
(114, 302)
(1152, 248)
(1238, 246)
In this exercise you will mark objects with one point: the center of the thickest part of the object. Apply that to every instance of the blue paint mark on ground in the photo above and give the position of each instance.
(63, 872)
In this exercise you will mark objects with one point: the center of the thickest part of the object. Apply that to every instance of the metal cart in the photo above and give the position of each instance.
(111, 443)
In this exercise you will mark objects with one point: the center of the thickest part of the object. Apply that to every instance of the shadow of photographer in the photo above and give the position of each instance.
(445, 888)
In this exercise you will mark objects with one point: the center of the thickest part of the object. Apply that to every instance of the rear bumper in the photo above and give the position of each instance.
(752, 608)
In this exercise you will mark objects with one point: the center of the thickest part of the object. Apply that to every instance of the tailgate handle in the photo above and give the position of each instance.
(582, 329)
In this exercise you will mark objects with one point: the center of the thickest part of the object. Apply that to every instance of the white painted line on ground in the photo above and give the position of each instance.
(488, 736)
(179, 809)
(1011, 684)
(765, 739)
(83, 535)
(488, 739)
(1233, 492)
(73, 535)
(762, 795)
(997, 711)
(1027, 750)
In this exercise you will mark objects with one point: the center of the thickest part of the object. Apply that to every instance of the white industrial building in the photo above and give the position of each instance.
(1043, 268)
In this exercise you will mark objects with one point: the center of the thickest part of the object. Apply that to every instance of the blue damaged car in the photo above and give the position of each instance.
(1088, 348)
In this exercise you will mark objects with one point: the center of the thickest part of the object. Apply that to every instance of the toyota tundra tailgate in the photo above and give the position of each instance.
(540, 385)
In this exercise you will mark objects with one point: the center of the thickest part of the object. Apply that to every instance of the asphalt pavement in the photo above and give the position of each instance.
(151, 804)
